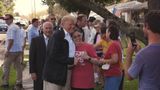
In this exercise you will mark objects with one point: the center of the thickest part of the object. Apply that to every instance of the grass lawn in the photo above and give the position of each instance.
(128, 85)
(12, 77)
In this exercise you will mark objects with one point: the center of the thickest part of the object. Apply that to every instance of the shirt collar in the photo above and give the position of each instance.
(34, 26)
(45, 37)
(66, 33)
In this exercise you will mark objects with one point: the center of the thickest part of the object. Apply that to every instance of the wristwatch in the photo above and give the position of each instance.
(89, 59)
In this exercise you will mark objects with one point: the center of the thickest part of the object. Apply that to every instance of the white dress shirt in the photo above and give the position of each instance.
(71, 44)
(89, 34)
(46, 39)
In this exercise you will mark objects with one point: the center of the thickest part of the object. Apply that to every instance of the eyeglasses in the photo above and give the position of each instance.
(76, 36)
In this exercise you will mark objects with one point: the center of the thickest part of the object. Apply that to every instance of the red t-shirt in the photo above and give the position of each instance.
(83, 73)
(115, 69)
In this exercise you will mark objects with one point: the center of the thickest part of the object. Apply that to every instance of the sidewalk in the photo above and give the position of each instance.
(27, 81)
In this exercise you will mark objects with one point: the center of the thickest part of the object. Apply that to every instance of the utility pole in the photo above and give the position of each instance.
(35, 8)
(32, 11)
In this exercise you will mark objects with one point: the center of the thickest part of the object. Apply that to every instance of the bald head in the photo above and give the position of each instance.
(47, 24)
(48, 28)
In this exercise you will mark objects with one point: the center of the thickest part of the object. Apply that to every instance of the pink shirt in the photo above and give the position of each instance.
(83, 73)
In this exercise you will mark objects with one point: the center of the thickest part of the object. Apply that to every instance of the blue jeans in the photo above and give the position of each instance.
(112, 83)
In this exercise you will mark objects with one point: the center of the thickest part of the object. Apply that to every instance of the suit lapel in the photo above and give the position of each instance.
(65, 42)
(43, 42)
(62, 32)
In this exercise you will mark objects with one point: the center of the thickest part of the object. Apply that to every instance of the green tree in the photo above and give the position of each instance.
(97, 6)
(50, 4)
(6, 6)
(1, 8)
(70, 7)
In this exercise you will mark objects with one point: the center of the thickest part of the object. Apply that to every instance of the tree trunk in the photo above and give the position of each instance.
(50, 9)
(154, 4)
(84, 11)
(102, 11)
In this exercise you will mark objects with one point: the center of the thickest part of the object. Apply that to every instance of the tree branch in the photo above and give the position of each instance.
(102, 11)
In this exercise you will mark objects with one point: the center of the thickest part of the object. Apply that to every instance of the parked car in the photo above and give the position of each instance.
(3, 30)
(3, 26)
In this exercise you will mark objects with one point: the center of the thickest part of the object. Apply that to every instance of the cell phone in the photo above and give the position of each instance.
(133, 39)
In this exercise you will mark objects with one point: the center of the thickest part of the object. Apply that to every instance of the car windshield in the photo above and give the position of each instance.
(2, 21)
(3, 26)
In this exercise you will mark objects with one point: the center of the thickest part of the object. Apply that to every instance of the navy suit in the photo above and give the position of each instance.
(55, 69)
(37, 54)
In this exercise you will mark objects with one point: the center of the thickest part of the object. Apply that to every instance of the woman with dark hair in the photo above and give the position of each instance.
(113, 59)
(82, 77)
(111, 22)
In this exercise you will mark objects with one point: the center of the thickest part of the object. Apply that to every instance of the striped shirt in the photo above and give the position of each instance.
(32, 32)
(14, 34)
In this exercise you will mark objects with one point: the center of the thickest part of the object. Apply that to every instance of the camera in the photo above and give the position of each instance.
(133, 39)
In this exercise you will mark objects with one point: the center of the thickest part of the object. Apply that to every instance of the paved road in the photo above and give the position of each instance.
(27, 81)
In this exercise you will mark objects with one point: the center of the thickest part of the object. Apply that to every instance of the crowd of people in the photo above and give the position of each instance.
(77, 53)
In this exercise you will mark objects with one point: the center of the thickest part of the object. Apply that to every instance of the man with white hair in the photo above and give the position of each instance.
(37, 55)
(60, 54)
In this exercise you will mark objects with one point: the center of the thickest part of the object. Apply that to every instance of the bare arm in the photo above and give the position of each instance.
(128, 63)
(10, 44)
(129, 54)
(113, 60)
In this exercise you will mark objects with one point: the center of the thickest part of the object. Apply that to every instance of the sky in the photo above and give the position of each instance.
(25, 7)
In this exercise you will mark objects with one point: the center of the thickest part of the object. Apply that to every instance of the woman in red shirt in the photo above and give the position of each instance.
(82, 77)
(113, 57)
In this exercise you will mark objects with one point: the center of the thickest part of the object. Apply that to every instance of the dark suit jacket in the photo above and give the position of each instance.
(37, 56)
(55, 69)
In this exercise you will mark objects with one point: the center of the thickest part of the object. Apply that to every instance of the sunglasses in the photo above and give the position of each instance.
(76, 36)
(6, 18)
(53, 18)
